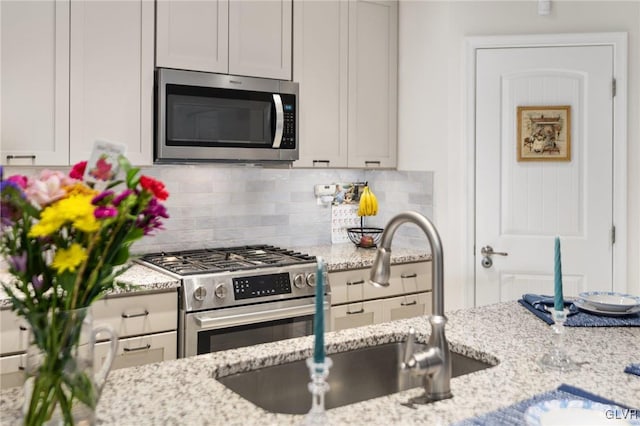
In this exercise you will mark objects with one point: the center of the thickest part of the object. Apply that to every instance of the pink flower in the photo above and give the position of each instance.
(48, 187)
(103, 212)
(19, 180)
(77, 172)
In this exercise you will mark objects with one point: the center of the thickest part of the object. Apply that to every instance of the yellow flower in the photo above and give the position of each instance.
(80, 188)
(69, 259)
(76, 209)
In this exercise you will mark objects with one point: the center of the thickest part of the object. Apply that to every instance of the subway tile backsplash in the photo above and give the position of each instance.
(225, 205)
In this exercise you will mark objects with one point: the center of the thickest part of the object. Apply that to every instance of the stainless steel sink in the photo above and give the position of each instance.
(356, 375)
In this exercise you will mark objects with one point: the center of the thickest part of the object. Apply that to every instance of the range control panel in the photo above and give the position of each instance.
(261, 285)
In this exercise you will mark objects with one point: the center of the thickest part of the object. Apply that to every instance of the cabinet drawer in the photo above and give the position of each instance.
(11, 372)
(356, 314)
(14, 334)
(409, 306)
(139, 350)
(349, 286)
(136, 315)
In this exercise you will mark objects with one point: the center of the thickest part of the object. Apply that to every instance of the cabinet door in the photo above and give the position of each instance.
(347, 286)
(14, 333)
(260, 38)
(111, 93)
(356, 314)
(34, 82)
(373, 83)
(409, 306)
(12, 370)
(320, 44)
(139, 350)
(193, 35)
(138, 314)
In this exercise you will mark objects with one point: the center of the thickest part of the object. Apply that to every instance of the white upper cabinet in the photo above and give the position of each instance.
(320, 42)
(345, 60)
(241, 37)
(373, 83)
(260, 38)
(34, 82)
(112, 77)
(74, 72)
(193, 35)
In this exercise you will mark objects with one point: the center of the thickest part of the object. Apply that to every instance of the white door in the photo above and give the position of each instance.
(522, 205)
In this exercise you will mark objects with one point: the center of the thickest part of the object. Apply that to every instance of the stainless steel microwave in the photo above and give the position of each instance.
(217, 117)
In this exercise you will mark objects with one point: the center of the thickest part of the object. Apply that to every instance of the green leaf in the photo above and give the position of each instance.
(121, 256)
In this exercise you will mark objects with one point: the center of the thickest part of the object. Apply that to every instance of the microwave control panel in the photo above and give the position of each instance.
(289, 130)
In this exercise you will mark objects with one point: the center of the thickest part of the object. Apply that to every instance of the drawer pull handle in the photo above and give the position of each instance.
(355, 312)
(21, 368)
(22, 328)
(142, 314)
(373, 163)
(409, 275)
(139, 348)
(21, 157)
(321, 162)
(355, 282)
(415, 302)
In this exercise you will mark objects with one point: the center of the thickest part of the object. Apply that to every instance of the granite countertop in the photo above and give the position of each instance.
(184, 391)
(138, 278)
(337, 258)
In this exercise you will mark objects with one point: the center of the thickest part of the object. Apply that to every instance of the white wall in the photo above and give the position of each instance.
(432, 104)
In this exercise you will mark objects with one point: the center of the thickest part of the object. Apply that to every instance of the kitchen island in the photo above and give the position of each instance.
(185, 391)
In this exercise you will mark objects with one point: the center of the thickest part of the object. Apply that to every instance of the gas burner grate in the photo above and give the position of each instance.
(190, 262)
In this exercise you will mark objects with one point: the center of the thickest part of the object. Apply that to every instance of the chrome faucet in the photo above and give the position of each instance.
(435, 361)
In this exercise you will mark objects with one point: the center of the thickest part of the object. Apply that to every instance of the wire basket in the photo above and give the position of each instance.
(365, 237)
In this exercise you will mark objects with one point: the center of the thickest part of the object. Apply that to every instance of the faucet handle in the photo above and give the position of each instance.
(408, 361)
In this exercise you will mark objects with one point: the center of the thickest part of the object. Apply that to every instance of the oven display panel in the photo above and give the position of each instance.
(261, 285)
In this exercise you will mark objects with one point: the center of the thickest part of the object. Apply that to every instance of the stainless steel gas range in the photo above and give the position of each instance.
(240, 296)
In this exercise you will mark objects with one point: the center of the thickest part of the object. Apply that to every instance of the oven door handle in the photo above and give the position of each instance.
(206, 322)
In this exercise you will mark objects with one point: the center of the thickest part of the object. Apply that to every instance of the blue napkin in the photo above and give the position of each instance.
(633, 369)
(514, 414)
(539, 304)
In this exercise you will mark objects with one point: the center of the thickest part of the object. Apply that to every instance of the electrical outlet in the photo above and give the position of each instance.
(322, 190)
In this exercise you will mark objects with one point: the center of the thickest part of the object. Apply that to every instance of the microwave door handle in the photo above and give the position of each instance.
(277, 137)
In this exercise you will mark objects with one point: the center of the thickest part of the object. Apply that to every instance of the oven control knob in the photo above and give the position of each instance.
(299, 281)
(200, 293)
(221, 291)
(311, 279)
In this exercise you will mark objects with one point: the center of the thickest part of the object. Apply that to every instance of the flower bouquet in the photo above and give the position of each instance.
(65, 242)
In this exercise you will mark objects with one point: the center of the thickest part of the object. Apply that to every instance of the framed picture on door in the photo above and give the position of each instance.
(544, 133)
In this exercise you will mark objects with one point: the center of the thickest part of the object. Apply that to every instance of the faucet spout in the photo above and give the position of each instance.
(434, 362)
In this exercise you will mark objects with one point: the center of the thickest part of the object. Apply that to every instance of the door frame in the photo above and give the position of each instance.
(618, 40)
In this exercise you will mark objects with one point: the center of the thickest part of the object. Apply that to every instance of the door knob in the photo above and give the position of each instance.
(488, 251)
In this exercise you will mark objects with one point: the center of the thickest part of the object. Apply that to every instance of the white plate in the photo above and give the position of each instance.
(566, 412)
(588, 307)
(610, 301)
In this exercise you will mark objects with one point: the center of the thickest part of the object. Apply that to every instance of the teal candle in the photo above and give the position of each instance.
(558, 299)
(318, 326)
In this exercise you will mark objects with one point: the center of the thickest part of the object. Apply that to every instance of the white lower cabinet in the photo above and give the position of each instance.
(355, 302)
(12, 370)
(146, 325)
(356, 314)
(409, 306)
(139, 350)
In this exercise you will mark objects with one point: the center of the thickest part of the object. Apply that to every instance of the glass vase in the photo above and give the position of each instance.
(61, 386)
